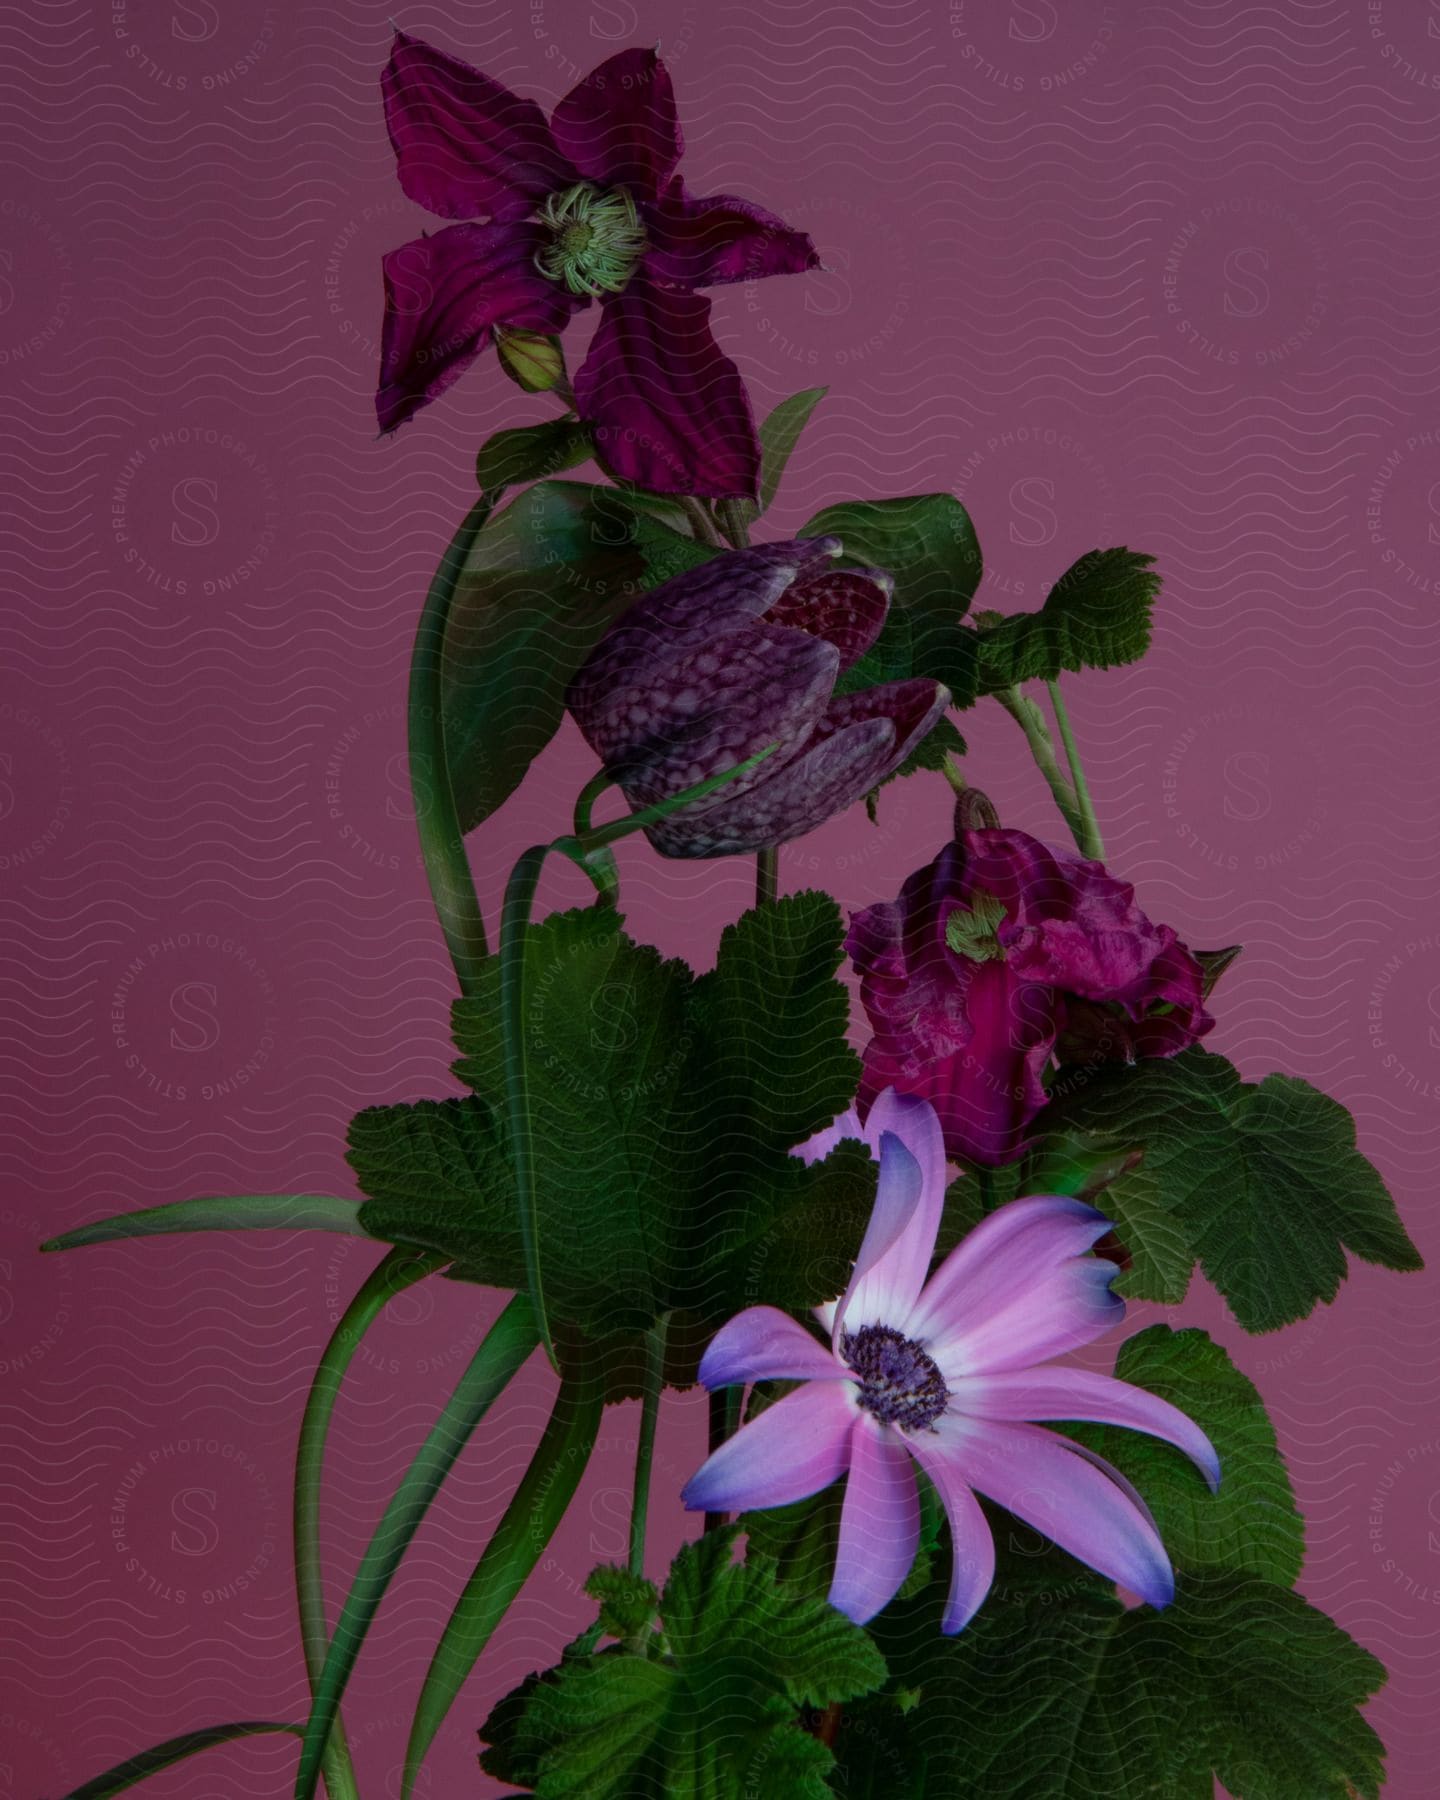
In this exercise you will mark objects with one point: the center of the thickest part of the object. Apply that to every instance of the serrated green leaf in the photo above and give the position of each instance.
(1252, 1526)
(221, 1212)
(542, 582)
(530, 452)
(1264, 1180)
(1096, 616)
(1060, 1691)
(628, 1602)
(668, 1107)
(707, 1711)
(779, 435)
(928, 544)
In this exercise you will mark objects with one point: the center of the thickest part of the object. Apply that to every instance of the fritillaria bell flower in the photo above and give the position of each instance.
(735, 655)
(952, 1373)
(999, 954)
(585, 206)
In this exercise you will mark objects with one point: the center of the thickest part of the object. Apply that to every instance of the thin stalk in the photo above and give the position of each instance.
(645, 1443)
(734, 521)
(442, 842)
(719, 1420)
(767, 876)
(514, 920)
(1027, 715)
(399, 1269)
(701, 524)
(1087, 839)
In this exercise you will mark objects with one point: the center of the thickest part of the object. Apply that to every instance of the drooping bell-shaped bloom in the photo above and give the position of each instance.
(954, 1374)
(586, 205)
(999, 954)
(737, 654)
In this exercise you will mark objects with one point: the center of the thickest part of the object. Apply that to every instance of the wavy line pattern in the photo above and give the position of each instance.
(1153, 274)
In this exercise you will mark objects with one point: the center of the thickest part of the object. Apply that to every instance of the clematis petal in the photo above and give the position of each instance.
(764, 1344)
(1067, 1497)
(879, 1522)
(972, 1573)
(442, 296)
(467, 148)
(669, 408)
(619, 125)
(701, 243)
(876, 1292)
(1060, 1393)
(796, 1447)
(1071, 1306)
(1021, 1243)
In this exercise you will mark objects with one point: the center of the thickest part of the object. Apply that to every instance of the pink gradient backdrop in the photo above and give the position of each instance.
(1113, 272)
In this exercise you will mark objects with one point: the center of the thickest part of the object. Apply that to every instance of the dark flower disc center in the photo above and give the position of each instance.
(899, 1382)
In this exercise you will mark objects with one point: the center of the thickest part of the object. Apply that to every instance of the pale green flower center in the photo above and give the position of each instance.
(972, 932)
(596, 239)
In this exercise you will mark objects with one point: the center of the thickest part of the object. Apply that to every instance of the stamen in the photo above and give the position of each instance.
(596, 239)
(899, 1382)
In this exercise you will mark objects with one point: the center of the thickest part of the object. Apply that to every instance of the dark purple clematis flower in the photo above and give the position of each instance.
(742, 652)
(996, 956)
(586, 206)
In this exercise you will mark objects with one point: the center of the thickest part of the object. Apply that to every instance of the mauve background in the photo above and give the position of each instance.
(1113, 272)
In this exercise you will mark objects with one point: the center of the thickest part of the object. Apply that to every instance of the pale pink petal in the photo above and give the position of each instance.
(973, 1569)
(1056, 1393)
(764, 1344)
(796, 1447)
(879, 1522)
(875, 1294)
(1076, 1501)
(1070, 1306)
(907, 1263)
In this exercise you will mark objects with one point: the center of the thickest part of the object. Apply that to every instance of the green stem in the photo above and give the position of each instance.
(1087, 838)
(767, 876)
(700, 521)
(514, 921)
(719, 1419)
(398, 1270)
(515, 1546)
(501, 1355)
(442, 842)
(1027, 715)
(734, 521)
(645, 1443)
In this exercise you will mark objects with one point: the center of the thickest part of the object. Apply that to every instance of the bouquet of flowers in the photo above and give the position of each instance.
(937, 1558)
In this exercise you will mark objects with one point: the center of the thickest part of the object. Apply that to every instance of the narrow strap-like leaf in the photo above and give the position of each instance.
(507, 1345)
(398, 1270)
(530, 1520)
(173, 1750)
(221, 1212)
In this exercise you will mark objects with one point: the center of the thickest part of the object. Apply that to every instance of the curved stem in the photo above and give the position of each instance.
(1027, 715)
(442, 841)
(514, 921)
(701, 523)
(398, 1270)
(1087, 838)
(645, 1443)
(767, 876)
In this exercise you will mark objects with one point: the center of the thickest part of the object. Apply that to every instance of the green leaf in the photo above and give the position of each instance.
(778, 437)
(942, 740)
(543, 581)
(668, 1107)
(531, 451)
(1096, 616)
(1251, 1527)
(628, 1602)
(1264, 1180)
(1058, 1690)
(163, 1756)
(222, 1212)
(706, 1710)
(506, 1347)
(928, 544)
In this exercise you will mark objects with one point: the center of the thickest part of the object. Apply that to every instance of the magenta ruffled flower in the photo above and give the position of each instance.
(585, 206)
(996, 956)
(737, 654)
(952, 1373)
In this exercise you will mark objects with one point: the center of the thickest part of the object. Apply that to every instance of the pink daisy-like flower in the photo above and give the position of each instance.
(954, 1373)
